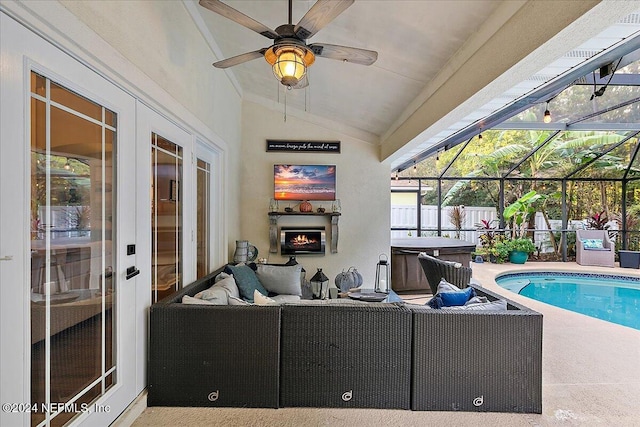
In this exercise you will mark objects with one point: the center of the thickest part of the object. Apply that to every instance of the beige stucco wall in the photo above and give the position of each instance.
(362, 187)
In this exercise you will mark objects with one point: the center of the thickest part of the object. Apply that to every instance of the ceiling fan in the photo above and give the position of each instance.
(290, 55)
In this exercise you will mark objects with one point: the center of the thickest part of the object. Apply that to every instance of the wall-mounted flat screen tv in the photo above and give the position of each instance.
(304, 182)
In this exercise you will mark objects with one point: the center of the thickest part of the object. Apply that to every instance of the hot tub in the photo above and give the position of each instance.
(406, 273)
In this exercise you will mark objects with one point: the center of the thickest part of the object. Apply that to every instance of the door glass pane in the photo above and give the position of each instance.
(166, 217)
(204, 175)
(71, 286)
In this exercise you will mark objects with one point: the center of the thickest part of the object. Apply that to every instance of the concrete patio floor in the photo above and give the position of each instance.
(591, 376)
(590, 367)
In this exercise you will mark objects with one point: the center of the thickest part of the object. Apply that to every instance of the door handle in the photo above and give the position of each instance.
(132, 271)
(7, 258)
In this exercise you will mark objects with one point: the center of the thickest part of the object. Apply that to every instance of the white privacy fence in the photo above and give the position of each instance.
(405, 216)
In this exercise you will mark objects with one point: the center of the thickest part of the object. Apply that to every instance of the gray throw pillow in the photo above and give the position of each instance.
(216, 295)
(445, 286)
(229, 285)
(282, 280)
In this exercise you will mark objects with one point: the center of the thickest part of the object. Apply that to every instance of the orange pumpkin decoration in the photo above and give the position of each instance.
(306, 207)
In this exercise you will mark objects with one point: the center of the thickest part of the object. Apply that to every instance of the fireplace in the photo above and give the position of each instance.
(302, 241)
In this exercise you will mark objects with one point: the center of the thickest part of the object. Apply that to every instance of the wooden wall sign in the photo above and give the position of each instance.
(278, 145)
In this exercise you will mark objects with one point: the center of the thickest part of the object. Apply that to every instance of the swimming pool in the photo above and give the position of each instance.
(608, 297)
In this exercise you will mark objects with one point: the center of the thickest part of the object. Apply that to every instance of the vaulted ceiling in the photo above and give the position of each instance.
(438, 60)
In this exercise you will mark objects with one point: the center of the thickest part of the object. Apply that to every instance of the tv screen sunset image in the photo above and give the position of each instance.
(304, 182)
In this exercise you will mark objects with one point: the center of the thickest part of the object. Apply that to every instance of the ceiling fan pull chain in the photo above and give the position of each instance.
(285, 106)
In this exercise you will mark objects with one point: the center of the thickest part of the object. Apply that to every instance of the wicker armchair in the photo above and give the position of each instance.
(436, 269)
(603, 257)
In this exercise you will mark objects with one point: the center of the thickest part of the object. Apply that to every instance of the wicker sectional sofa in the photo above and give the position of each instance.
(354, 354)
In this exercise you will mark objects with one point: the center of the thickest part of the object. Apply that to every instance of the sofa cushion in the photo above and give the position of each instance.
(196, 301)
(237, 301)
(247, 281)
(497, 305)
(285, 299)
(280, 279)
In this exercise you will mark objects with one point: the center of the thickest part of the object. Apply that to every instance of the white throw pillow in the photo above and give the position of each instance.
(280, 279)
(260, 299)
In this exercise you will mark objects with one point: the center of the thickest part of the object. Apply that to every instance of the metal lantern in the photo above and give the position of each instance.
(383, 279)
(319, 285)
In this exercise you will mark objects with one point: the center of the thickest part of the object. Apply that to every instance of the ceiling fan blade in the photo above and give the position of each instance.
(239, 59)
(320, 14)
(344, 53)
(228, 12)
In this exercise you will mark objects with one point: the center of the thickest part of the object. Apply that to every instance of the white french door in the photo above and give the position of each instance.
(68, 310)
(165, 160)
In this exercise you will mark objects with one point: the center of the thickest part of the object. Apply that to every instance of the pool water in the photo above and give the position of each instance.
(612, 298)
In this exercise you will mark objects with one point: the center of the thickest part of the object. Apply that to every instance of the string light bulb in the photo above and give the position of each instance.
(547, 114)
(479, 136)
(415, 167)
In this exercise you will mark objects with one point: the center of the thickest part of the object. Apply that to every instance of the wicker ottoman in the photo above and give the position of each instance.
(214, 356)
(345, 355)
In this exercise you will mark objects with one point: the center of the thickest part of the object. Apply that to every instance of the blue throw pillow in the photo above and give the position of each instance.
(592, 243)
(450, 299)
(247, 281)
(435, 302)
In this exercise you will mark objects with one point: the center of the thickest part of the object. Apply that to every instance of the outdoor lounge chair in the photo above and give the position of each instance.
(436, 269)
(596, 256)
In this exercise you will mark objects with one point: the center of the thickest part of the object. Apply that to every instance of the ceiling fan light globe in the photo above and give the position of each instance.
(289, 66)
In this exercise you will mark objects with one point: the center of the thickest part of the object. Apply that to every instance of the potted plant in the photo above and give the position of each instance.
(519, 249)
(489, 238)
(500, 251)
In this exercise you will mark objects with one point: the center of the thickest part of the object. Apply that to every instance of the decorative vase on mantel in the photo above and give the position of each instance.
(306, 207)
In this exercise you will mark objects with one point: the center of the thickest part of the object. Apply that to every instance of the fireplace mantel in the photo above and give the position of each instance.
(273, 227)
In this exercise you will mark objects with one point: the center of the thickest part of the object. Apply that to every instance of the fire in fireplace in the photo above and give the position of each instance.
(298, 241)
